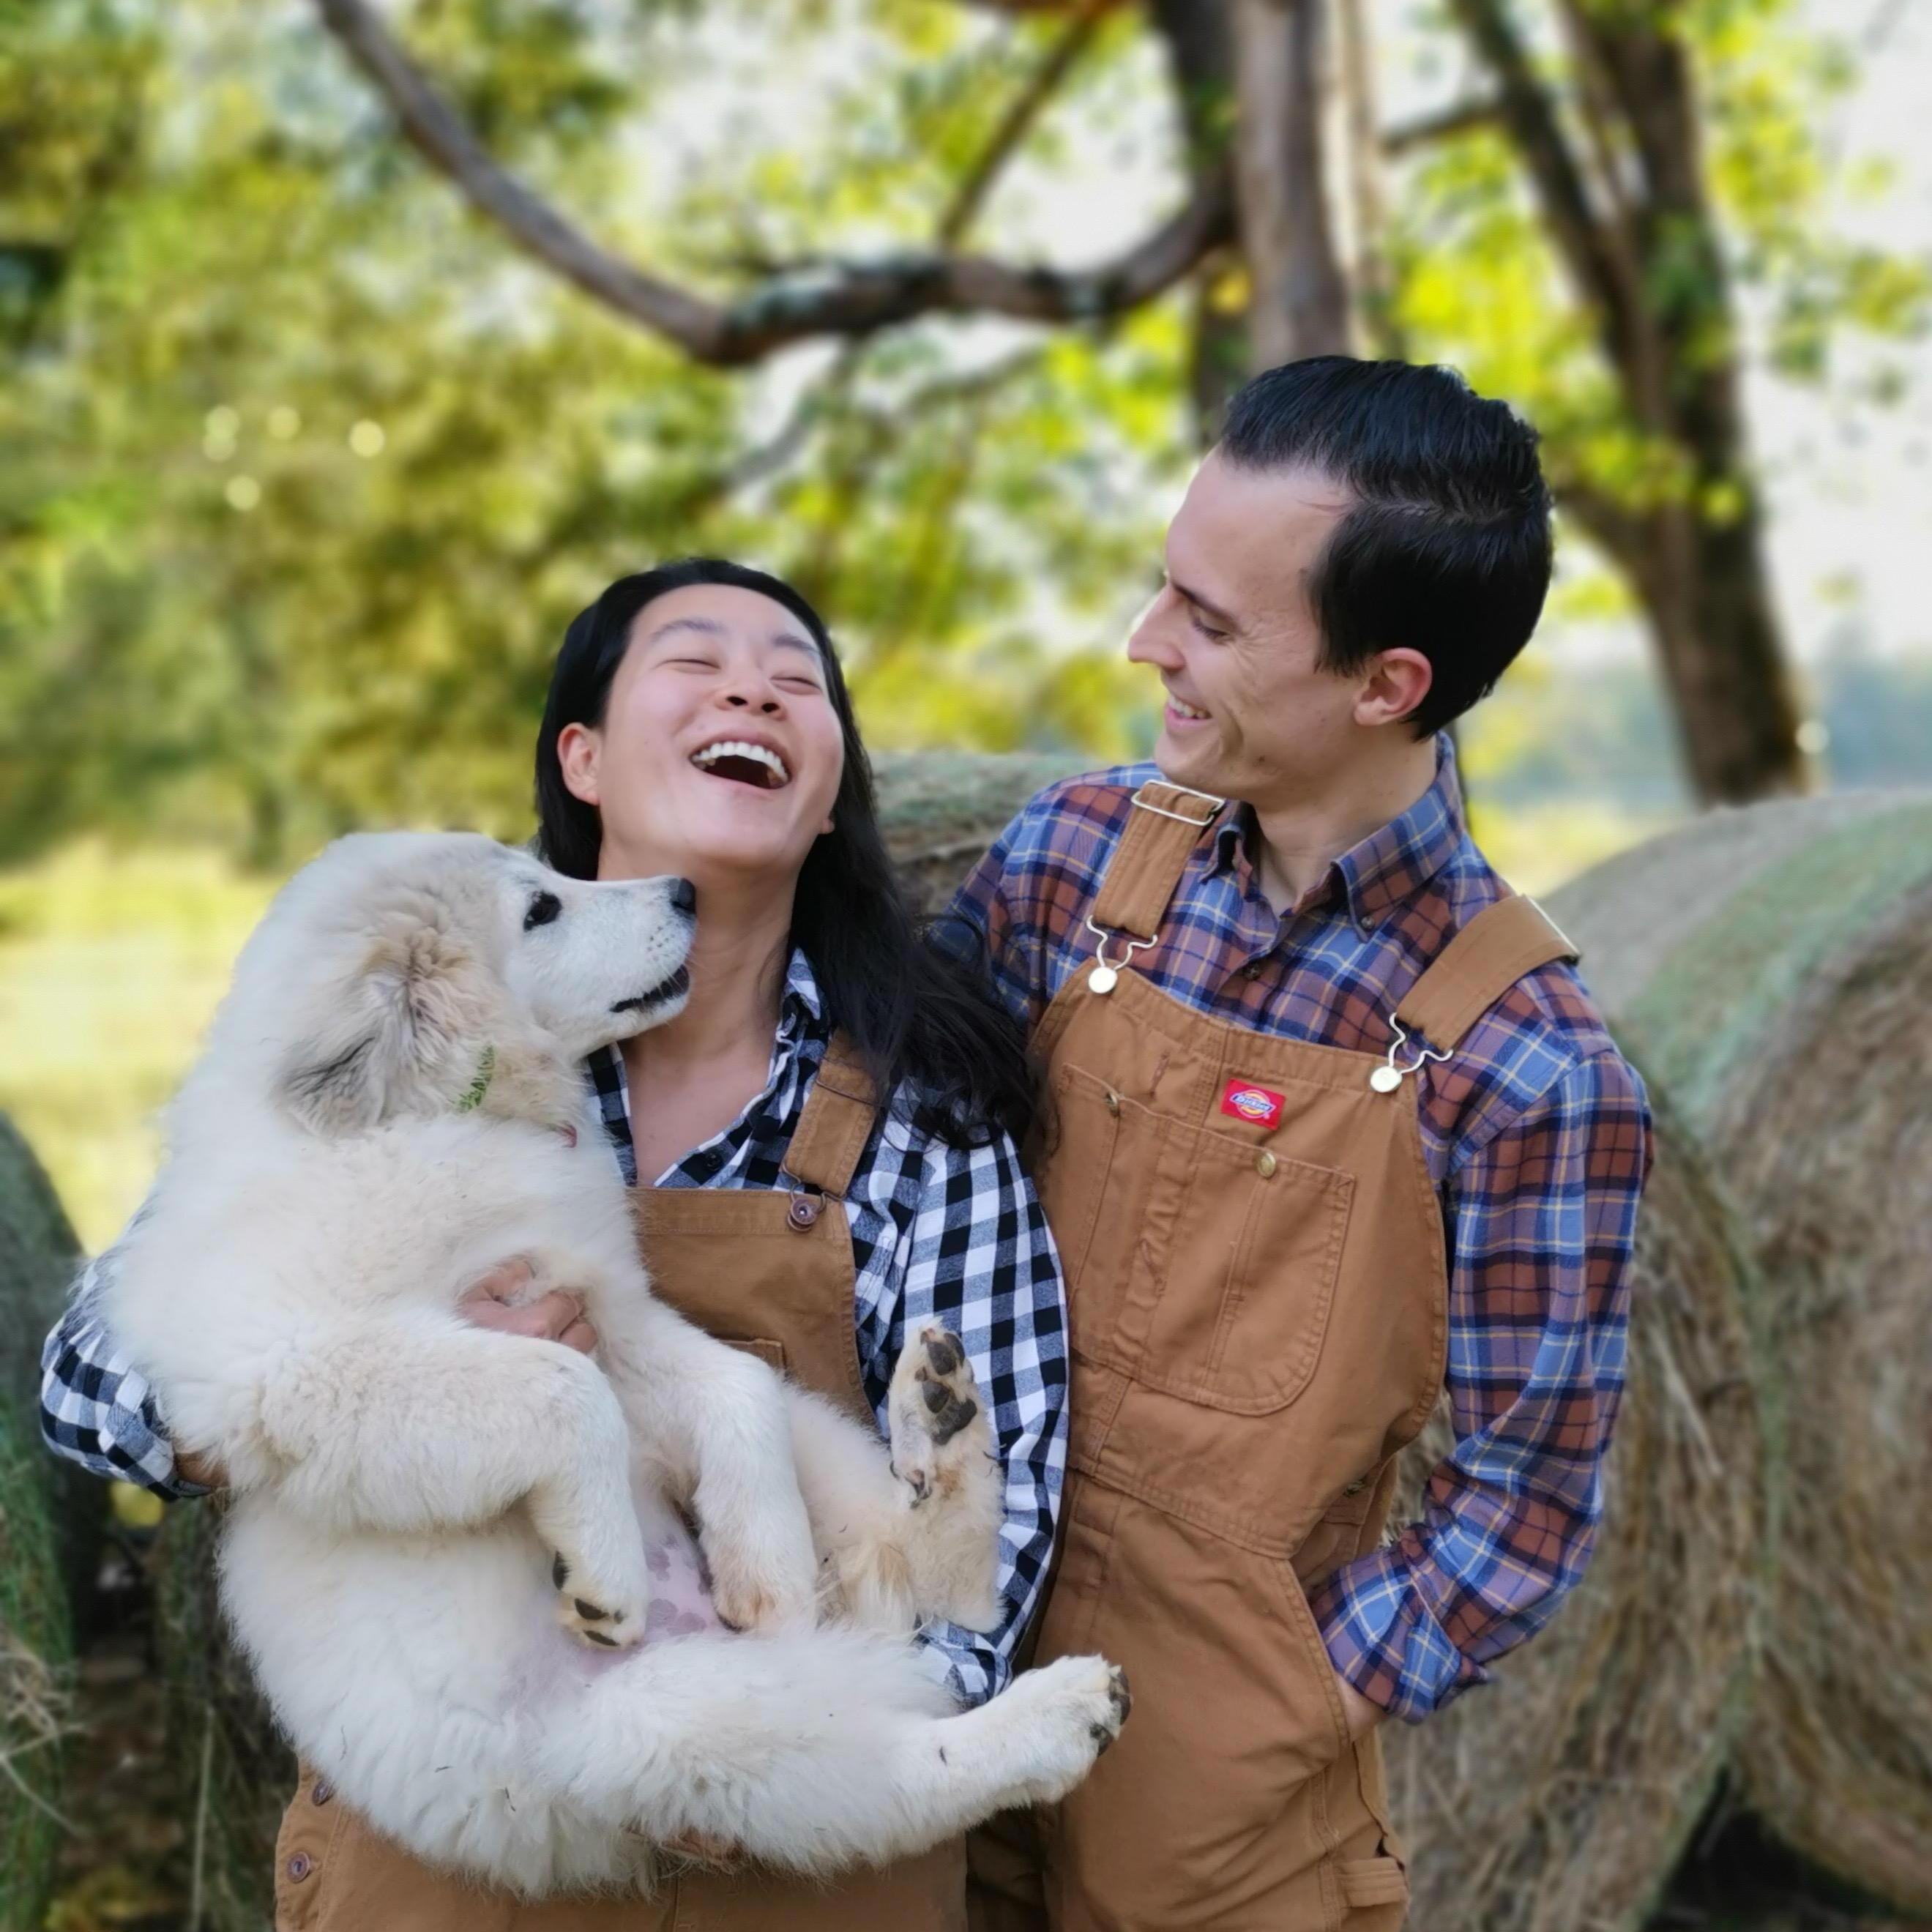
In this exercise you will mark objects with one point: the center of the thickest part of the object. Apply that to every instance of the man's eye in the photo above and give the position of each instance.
(543, 907)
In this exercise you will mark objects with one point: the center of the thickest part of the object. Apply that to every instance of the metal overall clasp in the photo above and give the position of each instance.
(1106, 974)
(1387, 1077)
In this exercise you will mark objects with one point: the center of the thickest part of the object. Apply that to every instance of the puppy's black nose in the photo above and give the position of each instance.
(684, 896)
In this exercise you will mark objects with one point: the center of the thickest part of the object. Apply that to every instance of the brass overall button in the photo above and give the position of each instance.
(1265, 1163)
(1113, 1103)
(803, 1212)
(300, 1866)
(323, 1792)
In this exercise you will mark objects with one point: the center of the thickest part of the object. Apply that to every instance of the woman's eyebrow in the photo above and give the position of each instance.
(709, 626)
(797, 643)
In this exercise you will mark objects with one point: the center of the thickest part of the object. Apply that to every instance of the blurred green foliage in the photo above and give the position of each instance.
(302, 470)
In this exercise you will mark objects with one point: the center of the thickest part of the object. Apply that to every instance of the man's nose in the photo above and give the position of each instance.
(1150, 641)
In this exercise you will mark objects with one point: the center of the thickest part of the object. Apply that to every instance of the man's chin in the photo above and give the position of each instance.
(1186, 766)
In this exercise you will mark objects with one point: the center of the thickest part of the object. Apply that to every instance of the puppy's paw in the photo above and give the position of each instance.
(1074, 1708)
(601, 1616)
(942, 1435)
(753, 1593)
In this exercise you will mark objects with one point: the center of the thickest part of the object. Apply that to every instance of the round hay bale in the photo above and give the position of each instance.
(1770, 967)
(232, 1769)
(36, 1652)
(1558, 1798)
(39, 1258)
(941, 810)
(50, 1521)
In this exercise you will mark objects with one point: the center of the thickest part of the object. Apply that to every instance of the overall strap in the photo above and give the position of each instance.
(1502, 942)
(835, 1123)
(1163, 827)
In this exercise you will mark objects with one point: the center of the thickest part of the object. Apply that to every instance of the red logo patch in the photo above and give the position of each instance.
(1245, 1101)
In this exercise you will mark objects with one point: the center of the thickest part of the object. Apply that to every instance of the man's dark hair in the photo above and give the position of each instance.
(1445, 549)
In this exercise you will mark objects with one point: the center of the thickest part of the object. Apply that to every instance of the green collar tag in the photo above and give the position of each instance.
(473, 1098)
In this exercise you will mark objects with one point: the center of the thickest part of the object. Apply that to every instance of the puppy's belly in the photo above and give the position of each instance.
(465, 1621)
(680, 1604)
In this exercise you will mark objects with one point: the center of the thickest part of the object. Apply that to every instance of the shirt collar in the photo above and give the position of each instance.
(1393, 864)
(801, 1006)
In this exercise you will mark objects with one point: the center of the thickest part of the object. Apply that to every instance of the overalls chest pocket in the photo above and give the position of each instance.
(1197, 1263)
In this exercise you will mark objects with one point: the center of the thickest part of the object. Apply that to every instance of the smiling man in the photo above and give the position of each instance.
(1336, 1129)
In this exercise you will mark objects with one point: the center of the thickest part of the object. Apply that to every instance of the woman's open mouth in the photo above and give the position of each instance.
(743, 762)
(675, 988)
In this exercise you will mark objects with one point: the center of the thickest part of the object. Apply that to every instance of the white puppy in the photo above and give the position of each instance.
(437, 1556)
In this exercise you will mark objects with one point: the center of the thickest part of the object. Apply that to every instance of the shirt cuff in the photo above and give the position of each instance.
(146, 1456)
(1384, 1638)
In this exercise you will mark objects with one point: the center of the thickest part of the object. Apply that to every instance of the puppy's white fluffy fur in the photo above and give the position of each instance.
(385, 1110)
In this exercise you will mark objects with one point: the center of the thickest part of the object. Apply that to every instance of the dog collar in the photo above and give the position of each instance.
(473, 1097)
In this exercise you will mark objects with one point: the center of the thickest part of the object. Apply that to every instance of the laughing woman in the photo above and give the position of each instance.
(827, 1136)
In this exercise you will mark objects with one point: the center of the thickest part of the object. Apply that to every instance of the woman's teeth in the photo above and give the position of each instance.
(1181, 710)
(708, 756)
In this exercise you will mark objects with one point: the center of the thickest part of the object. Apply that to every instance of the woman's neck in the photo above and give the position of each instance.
(691, 1077)
(737, 966)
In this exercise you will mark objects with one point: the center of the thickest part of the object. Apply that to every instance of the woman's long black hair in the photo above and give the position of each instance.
(913, 1014)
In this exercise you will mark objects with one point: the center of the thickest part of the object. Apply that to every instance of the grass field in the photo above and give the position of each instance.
(111, 962)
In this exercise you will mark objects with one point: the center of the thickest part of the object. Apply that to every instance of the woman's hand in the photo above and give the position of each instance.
(488, 1302)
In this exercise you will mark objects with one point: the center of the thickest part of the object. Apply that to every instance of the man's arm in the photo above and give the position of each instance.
(1542, 1223)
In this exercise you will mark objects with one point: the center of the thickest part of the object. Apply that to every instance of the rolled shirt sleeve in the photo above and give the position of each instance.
(1542, 1221)
(97, 1409)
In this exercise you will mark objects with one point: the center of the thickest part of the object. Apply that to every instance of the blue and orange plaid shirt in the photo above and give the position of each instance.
(1538, 1137)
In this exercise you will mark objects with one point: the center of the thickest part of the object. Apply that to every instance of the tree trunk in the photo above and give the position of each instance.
(1198, 59)
(1629, 215)
(1300, 303)
(1705, 591)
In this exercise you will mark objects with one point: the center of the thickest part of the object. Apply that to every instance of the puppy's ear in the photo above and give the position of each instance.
(386, 1035)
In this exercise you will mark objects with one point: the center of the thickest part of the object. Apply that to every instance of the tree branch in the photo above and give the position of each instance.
(1017, 122)
(854, 298)
(1424, 129)
(1561, 190)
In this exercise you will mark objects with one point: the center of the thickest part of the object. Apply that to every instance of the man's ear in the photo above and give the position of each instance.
(1398, 682)
(383, 1035)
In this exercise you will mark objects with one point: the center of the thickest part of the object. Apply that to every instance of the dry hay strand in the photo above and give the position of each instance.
(35, 1677)
(1557, 1797)
(1772, 968)
(941, 810)
(230, 1768)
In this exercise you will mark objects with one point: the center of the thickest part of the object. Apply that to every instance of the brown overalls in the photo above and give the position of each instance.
(1255, 1267)
(771, 1272)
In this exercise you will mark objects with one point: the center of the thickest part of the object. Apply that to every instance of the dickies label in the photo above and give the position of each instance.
(1244, 1101)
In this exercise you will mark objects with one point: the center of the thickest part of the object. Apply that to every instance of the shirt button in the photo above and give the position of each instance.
(1252, 971)
(1265, 1163)
(323, 1792)
(300, 1866)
